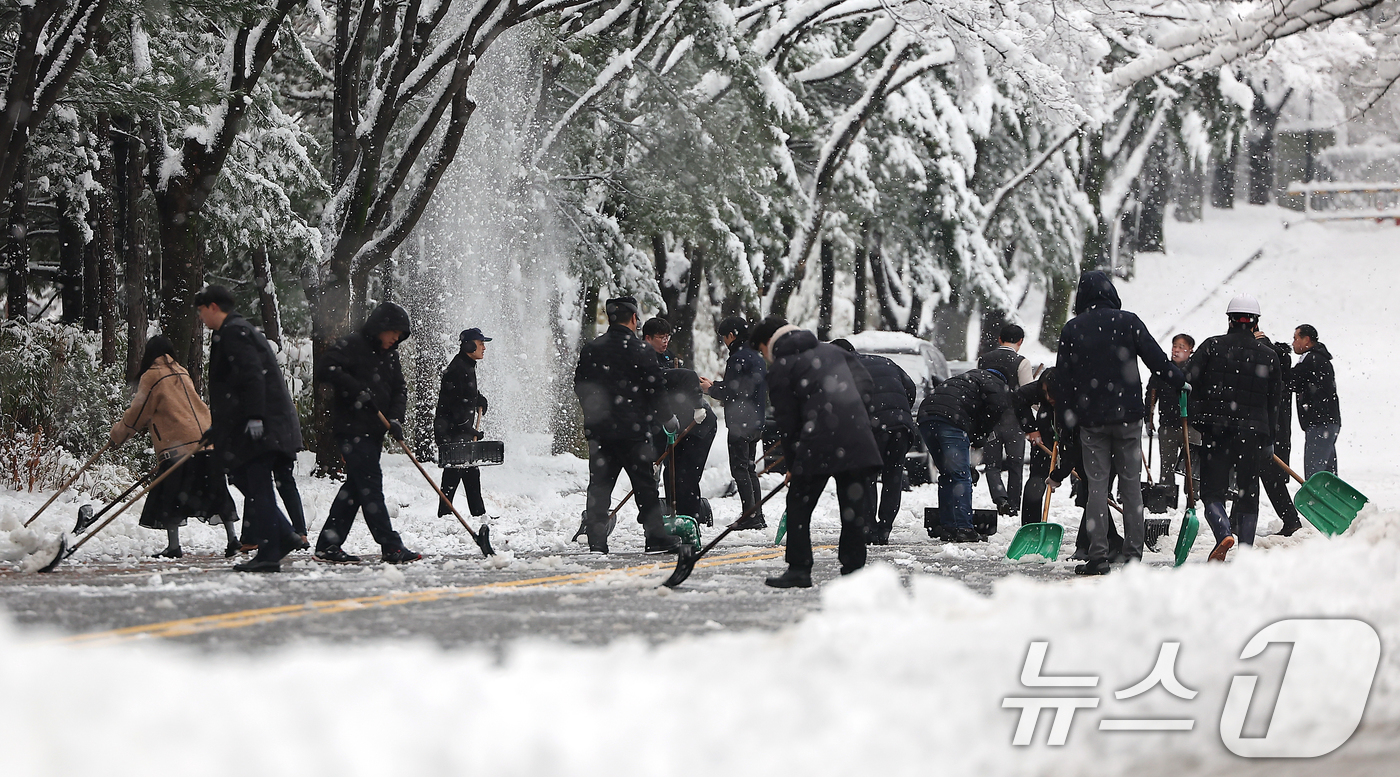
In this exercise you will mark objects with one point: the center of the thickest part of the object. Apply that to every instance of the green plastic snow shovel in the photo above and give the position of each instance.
(1040, 539)
(1326, 500)
(1190, 524)
(782, 529)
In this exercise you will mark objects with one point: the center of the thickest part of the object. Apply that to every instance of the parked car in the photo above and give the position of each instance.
(925, 365)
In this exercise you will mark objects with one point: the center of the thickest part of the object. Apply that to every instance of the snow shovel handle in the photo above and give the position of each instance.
(70, 482)
(751, 511)
(429, 478)
(1049, 489)
(1186, 451)
(135, 499)
(1289, 470)
(656, 463)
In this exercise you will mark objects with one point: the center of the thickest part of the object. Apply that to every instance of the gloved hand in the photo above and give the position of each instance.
(1053, 483)
(481, 403)
(364, 400)
(396, 430)
(672, 427)
(254, 429)
(1269, 451)
(1186, 387)
(699, 416)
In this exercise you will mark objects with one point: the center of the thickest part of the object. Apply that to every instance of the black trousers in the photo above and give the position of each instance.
(741, 456)
(606, 460)
(1033, 497)
(893, 444)
(1005, 451)
(284, 477)
(853, 489)
(470, 478)
(1275, 483)
(260, 513)
(1229, 450)
(363, 490)
(682, 477)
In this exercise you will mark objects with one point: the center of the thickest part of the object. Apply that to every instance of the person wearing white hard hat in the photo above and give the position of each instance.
(1236, 384)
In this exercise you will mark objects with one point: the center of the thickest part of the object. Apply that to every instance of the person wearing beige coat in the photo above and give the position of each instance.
(167, 405)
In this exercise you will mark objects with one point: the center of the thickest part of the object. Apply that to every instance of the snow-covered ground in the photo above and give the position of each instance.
(883, 680)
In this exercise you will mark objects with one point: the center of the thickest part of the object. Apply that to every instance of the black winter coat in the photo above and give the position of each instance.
(892, 403)
(820, 396)
(1006, 361)
(1315, 383)
(1283, 417)
(744, 392)
(246, 383)
(459, 401)
(1235, 383)
(357, 364)
(975, 402)
(619, 384)
(1097, 364)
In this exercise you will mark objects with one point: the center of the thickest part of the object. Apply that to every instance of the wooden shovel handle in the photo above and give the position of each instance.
(383, 419)
(1289, 469)
(178, 464)
(1049, 489)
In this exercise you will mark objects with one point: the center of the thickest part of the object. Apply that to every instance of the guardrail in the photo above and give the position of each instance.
(1381, 201)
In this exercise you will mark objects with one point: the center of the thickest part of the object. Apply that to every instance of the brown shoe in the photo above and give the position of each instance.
(1222, 548)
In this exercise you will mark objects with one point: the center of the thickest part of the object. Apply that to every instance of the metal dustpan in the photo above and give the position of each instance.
(1040, 539)
(1190, 524)
(1329, 503)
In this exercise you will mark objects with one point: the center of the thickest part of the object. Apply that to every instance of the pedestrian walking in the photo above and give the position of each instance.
(460, 405)
(1271, 476)
(1101, 401)
(253, 424)
(620, 388)
(1167, 428)
(1005, 450)
(366, 379)
(958, 415)
(1236, 384)
(1319, 410)
(744, 395)
(821, 405)
(167, 405)
(892, 405)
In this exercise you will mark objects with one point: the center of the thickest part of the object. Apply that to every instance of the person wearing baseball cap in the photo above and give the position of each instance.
(459, 404)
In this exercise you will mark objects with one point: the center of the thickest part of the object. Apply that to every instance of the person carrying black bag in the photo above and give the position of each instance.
(458, 406)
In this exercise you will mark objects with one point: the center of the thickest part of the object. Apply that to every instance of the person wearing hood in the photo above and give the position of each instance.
(1237, 383)
(167, 405)
(1319, 409)
(1102, 402)
(821, 399)
(366, 379)
(459, 406)
(744, 394)
(892, 407)
(252, 424)
(620, 387)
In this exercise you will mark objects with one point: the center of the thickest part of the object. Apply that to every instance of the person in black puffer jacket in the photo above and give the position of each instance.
(958, 415)
(1005, 450)
(1102, 404)
(744, 394)
(1272, 478)
(893, 405)
(253, 423)
(1319, 409)
(821, 405)
(366, 377)
(1236, 383)
(460, 405)
(620, 387)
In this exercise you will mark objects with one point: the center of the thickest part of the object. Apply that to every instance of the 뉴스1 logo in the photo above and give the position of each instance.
(1339, 655)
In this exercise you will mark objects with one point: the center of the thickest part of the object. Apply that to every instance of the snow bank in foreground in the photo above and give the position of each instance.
(882, 681)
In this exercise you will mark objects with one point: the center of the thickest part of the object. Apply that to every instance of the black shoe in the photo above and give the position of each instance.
(937, 532)
(965, 535)
(169, 553)
(664, 544)
(1095, 567)
(1290, 527)
(603, 548)
(231, 550)
(751, 522)
(792, 578)
(254, 565)
(400, 556)
(297, 542)
(882, 534)
(1004, 507)
(334, 555)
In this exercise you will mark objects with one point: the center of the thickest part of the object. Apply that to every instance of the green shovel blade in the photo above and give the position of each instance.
(782, 530)
(682, 526)
(1329, 503)
(1186, 537)
(1039, 539)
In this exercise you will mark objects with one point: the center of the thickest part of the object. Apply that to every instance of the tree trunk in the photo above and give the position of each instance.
(883, 292)
(1222, 190)
(425, 306)
(950, 325)
(182, 276)
(1056, 313)
(1098, 240)
(267, 296)
(1154, 183)
(330, 319)
(859, 325)
(828, 290)
(679, 300)
(133, 248)
(566, 418)
(1189, 185)
(17, 245)
(104, 238)
(70, 262)
(1264, 117)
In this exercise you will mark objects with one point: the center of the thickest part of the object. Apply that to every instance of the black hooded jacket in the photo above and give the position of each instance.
(246, 383)
(1235, 383)
(820, 396)
(1315, 383)
(619, 384)
(975, 402)
(743, 392)
(459, 401)
(358, 364)
(1098, 354)
(892, 403)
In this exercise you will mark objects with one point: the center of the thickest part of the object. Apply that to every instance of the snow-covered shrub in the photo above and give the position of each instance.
(30, 461)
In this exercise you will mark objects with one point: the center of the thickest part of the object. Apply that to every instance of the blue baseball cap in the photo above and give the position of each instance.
(473, 334)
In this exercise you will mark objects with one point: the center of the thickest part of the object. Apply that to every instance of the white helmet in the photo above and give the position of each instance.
(1243, 303)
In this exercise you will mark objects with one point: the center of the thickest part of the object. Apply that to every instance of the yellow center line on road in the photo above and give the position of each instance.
(244, 618)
